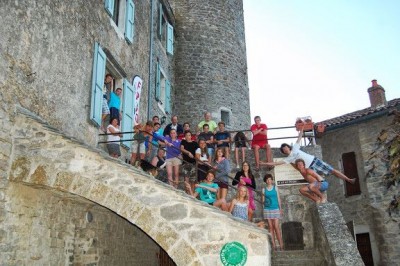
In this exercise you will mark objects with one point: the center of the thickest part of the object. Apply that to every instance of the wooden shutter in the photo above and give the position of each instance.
(170, 39)
(158, 82)
(99, 69)
(167, 107)
(350, 170)
(109, 6)
(129, 21)
(128, 112)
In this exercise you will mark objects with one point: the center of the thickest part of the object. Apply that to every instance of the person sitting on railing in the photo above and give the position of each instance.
(207, 191)
(186, 127)
(159, 162)
(207, 120)
(317, 185)
(208, 136)
(173, 125)
(141, 133)
(260, 141)
(312, 162)
(239, 207)
(188, 149)
(240, 141)
(245, 178)
(114, 135)
(203, 160)
(222, 139)
(222, 168)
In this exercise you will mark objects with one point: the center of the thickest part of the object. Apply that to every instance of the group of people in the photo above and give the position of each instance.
(202, 158)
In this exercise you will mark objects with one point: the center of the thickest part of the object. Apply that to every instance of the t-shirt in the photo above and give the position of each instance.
(115, 101)
(174, 150)
(211, 125)
(191, 147)
(296, 153)
(207, 136)
(222, 135)
(203, 157)
(112, 137)
(260, 138)
(205, 194)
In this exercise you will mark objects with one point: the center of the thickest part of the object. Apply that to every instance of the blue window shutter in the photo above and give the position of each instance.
(99, 69)
(160, 29)
(128, 112)
(167, 97)
(109, 6)
(158, 82)
(129, 21)
(170, 39)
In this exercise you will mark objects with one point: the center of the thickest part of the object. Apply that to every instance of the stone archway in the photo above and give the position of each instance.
(189, 231)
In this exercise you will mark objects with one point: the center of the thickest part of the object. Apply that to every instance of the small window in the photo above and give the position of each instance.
(122, 14)
(350, 170)
(225, 116)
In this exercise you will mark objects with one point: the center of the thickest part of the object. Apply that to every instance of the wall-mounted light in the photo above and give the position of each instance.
(163, 119)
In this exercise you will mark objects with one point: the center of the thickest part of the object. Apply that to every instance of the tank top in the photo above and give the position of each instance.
(271, 199)
(240, 210)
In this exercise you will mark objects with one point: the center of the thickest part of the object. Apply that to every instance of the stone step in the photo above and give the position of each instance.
(298, 258)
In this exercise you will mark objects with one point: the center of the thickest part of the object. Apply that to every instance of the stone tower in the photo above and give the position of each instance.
(210, 63)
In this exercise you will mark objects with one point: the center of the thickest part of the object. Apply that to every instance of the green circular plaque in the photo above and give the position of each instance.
(233, 254)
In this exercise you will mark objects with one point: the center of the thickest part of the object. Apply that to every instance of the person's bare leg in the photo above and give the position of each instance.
(243, 154)
(278, 232)
(169, 174)
(227, 153)
(304, 191)
(222, 193)
(343, 176)
(257, 156)
(133, 158)
(272, 232)
(237, 156)
(316, 191)
(268, 153)
(176, 175)
(250, 214)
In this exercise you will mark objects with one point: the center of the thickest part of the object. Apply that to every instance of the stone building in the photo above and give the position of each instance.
(62, 199)
(349, 142)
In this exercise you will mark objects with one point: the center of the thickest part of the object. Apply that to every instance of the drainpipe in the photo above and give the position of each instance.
(150, 60)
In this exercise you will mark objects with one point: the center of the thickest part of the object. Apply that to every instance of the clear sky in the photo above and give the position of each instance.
(317, 57)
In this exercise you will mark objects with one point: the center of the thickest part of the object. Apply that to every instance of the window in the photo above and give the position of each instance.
(165, 31)
(350, 170)
(163, 90)
(102, 66)
(225, 116)
(123, 15)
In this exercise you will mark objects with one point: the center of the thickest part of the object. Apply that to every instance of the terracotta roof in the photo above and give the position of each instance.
(364, 113)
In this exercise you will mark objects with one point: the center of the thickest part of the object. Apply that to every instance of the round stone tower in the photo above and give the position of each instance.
(210, 62)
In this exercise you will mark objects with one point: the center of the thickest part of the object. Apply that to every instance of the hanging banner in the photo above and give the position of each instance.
(286, 174)
(137, 85)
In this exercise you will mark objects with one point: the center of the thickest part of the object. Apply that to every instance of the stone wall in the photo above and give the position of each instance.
(368, 211)
(46, 58)
(41, 227)
(191, 232)
(211, 65)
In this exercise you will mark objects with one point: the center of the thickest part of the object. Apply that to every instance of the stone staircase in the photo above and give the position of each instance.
(298, 258)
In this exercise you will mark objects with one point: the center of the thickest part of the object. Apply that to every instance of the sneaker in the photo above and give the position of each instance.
(237, 166)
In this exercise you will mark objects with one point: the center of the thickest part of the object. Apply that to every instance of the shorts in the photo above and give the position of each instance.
(323, 186)
(211, 152)
(222, 184)
(113, 148)
(320, 166)
(104, 108)
(136, 145)
(114, 113)
(225, 144)
(173, 161)
(262, 144)
(272, 214)
(241, 144)
(189, 170)
(202, 172)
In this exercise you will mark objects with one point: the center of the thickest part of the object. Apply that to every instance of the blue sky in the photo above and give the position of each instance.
(317, 58)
